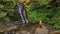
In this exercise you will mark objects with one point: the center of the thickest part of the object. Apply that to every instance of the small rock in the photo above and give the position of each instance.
(55, 32)
(42, 30)
(23, 32)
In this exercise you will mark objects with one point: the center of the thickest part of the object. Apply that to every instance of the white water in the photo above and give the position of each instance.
(22, 13)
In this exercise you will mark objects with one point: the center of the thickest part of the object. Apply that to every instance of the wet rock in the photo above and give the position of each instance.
(9, 28)
(42, 30)
(49, 27)
(23, 32)
(32, 21)
(55, 32)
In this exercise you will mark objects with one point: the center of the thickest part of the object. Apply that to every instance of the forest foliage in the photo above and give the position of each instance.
(7, 9)
(46, 10)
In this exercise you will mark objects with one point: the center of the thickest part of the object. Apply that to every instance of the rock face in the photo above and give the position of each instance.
(55, 32)
(42, 30)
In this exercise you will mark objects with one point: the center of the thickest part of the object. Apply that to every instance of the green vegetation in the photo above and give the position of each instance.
(48, 11)
(44, 10)
(7, 9)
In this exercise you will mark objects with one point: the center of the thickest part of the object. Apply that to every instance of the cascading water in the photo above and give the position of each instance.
(22, 13)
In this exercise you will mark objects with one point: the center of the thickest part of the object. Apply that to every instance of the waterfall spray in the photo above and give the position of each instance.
(22, 13)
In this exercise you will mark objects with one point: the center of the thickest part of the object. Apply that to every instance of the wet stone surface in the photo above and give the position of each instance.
(42, 30)
(27, 29)
(55, 32)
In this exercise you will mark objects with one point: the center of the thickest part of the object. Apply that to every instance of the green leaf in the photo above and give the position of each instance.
(1, 7)
(57, 26)
(43, 2)
(7, 19)
(3, 14)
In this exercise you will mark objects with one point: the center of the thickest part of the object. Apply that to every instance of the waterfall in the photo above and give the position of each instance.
(22, 13)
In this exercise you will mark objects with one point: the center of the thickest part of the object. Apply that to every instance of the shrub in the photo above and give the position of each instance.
(7, 9)
(40, 11)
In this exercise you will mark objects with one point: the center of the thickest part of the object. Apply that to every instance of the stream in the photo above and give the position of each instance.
(22, 13)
